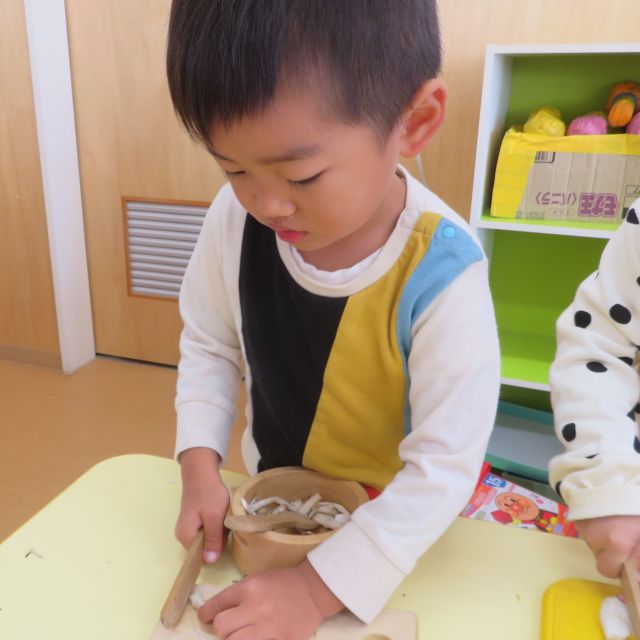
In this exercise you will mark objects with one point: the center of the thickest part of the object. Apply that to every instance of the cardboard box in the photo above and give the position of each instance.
(577, 178)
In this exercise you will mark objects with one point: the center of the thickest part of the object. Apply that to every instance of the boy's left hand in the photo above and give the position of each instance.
(283, 604)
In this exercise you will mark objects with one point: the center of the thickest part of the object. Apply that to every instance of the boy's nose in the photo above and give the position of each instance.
(268, 205)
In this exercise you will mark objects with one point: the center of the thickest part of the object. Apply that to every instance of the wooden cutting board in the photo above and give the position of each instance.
(391, 623)
(570, 609)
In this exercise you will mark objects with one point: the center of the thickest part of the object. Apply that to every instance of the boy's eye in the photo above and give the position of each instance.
(301, 184)
(232, 174)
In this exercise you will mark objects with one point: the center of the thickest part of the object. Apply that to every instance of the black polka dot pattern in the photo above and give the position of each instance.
(620, 314)
(557, 488)
(569, 431)
(582, 319)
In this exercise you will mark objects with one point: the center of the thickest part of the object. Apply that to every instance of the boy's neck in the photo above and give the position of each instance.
(356, 247)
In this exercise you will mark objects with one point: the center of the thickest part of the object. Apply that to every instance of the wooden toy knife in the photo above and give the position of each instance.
(183, 584)
(631, 593)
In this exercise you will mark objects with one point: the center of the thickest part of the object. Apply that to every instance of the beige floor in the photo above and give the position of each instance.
(53, 427)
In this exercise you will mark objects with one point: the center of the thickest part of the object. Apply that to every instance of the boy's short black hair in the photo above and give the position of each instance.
(226, 58)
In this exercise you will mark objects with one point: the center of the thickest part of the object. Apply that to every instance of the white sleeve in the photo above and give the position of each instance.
(454, 368)
(595, 388)
(210, 356)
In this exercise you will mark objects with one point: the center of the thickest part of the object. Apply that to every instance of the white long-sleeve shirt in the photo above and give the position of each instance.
(595, 387)
(386, 373)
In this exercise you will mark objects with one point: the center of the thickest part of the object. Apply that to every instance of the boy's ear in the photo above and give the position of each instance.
(423, 117)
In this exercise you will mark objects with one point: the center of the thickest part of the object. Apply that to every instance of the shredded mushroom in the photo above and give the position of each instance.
(329, 515)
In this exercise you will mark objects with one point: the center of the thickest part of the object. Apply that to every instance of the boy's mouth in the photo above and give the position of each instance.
(288, 235)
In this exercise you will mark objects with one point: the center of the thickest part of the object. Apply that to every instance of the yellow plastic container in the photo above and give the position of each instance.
(571, 608)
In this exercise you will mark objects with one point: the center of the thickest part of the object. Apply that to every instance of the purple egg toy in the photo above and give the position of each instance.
(634, 126)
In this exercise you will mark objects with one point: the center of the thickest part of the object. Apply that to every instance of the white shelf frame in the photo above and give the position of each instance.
(525, 384)
(504, 225)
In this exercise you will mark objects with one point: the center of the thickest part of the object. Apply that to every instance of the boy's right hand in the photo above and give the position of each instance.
(612, 539)
(205, 500)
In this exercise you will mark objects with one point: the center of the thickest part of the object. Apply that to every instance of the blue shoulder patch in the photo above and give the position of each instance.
(451, 251)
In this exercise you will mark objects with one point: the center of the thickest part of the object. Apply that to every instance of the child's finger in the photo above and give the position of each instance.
(609, 561)
(186, 530)
(213, 536)
(247, 633)
(227, 599)
(230, 622)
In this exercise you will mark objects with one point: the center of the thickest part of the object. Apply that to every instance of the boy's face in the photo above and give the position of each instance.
(328, 188)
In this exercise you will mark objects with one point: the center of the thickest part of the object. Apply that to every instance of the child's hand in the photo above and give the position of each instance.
(205, 500)
(612, 539)
(284, 604)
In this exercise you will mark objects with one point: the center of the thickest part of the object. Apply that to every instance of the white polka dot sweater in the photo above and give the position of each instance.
(595, 387)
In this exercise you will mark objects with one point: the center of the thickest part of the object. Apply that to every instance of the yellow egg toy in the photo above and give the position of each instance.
(546, 121)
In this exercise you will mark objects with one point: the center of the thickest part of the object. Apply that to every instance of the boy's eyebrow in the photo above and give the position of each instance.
(299, 153)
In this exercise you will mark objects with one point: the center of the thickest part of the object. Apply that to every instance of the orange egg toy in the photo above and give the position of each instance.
(623, 103)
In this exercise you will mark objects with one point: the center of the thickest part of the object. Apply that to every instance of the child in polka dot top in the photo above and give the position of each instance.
(594, 391)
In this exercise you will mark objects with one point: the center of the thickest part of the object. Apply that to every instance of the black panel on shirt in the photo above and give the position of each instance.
(288, 334)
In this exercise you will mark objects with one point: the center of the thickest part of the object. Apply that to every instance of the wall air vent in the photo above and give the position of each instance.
(160, 238)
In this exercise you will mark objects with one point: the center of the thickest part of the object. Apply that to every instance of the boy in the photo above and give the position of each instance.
(355, 299)
(594, 391)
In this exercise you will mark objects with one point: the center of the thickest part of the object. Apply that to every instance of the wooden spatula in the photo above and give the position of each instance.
(269, 521)
(183, 584)
(631, 593)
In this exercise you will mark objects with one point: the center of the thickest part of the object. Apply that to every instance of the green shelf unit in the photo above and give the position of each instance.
(536, 266)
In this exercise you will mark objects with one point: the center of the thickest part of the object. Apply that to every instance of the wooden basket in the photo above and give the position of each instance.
(254, 552)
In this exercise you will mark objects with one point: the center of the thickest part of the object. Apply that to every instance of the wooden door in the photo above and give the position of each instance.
(130, 146)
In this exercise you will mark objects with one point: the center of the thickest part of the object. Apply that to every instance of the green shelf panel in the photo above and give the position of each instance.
(534, 278)
(526, 356)
(527, 397)
(573, 83)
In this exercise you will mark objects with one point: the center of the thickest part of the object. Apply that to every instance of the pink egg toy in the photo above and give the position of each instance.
(593, 124)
